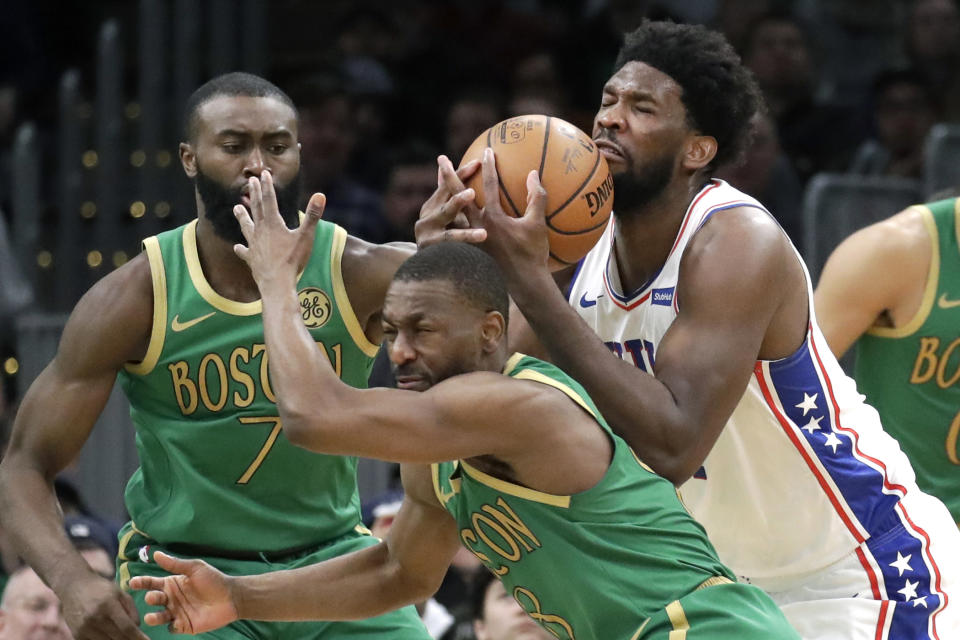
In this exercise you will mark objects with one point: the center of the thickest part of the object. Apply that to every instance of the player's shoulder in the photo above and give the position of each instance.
(904, 234)
(131, 283)
(741, 230)
(113, 319)
(358, 254)
(473, 391)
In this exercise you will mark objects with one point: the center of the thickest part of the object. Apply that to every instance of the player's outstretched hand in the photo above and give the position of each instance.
(519, 245)
(95, 608)
(274, 253)
(446, 216)
(196, 599)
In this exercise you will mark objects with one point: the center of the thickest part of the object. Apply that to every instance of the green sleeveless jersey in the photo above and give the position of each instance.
(911, 374)
(216, 470)
(593, 565)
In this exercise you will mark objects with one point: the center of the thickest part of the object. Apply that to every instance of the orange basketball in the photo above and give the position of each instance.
(578, 183)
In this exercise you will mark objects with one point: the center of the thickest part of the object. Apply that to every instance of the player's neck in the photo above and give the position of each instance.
(644, 236)
(226, 273)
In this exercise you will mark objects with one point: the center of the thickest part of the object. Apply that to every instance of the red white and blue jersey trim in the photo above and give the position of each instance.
(802, 475)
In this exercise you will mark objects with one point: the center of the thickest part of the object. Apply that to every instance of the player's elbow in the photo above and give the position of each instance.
(299, 425)
(678, 471)
(676, 465)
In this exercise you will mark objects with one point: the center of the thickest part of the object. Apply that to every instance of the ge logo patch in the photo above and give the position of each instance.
(315, 307)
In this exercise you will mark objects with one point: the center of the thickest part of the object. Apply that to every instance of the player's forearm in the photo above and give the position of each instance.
(636, 405)
(355, 586)
(301, 377)
(34, 524)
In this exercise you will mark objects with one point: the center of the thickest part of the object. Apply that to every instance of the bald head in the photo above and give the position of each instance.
(30, 610)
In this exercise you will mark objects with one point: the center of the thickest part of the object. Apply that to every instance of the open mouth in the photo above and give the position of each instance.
(412, 383)
(610, 150)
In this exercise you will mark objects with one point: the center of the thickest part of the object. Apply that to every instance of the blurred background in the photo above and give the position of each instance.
(862, 100)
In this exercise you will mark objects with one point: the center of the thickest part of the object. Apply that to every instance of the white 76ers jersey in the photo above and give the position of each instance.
(802, 472)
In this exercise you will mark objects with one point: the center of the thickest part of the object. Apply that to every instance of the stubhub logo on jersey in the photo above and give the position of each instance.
(662, 297)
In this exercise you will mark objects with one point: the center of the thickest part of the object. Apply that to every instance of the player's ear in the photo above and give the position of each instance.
(493, 331)
(188, 158)
(700, 152)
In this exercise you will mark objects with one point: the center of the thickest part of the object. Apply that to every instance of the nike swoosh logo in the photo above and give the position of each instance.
(177, 326)
(587, 303)
(943, 303)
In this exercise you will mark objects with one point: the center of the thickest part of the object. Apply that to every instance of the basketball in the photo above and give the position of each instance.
(576, 177)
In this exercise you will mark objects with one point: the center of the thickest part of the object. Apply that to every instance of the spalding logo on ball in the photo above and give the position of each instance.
(571, 169)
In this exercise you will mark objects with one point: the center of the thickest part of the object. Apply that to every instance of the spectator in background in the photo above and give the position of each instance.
(328, 131)
(766, 172)
(535, 87)
(469, 115)
(412, 180)
(904, 109)
(932, 43)
(94, 542)
(816, 136)
(30, 610)
(497, 616)
(734, 17)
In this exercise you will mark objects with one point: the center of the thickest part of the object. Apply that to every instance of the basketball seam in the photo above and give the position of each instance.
(543, 152)
(503, 189)
(578, 231)
(576, 193)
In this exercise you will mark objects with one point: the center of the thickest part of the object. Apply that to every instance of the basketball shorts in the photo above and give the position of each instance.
(731, 611)
(402, 624)
(901, 585)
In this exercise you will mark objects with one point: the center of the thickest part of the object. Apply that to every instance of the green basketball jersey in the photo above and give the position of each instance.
(594, 565)
(911, 374)
(215, 467)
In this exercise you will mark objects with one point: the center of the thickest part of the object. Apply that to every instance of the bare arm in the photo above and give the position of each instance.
(367, 270)
(728, 300)
(454, 419)
(873, 278)
(406, 568)
(703, 363)
(109, 327)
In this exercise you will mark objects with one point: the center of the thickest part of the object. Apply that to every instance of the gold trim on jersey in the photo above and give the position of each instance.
(516, 490)
(640, 630)
(123, 572)
(678, 618)
(159, 330)
(442, 497)
(956, 221)
(347, 313)
(511, 363)
(930, 290)
(536, 376)
(217, 301)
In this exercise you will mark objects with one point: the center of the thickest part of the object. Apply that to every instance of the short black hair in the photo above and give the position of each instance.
(719, 93)
(236, 83)
(892, 77)
(473, 273)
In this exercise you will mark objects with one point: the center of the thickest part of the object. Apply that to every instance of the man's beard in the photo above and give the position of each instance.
(632, 191)
(219, 201)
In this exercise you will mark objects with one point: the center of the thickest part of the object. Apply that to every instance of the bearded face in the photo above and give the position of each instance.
(219, 201)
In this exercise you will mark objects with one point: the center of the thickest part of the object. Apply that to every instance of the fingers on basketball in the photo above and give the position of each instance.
(575, 176)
